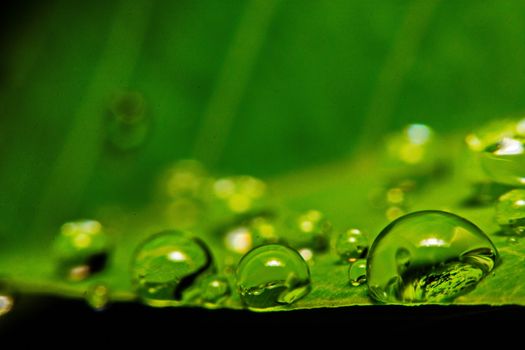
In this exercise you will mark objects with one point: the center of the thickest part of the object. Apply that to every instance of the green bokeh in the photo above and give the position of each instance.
(264, 87)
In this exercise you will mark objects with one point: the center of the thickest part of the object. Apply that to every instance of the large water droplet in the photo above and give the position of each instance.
(310, 229)
(351, 245)
(167, 264)
(510, 212)
(272, 275)
(81, 248)
(357, 273)
(97, 296)
(426, 257)
(504, 161)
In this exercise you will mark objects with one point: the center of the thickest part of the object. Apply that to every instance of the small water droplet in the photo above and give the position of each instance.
(166, 264)
(310, 229)
(214, 289)
(81, 249)
(512, 240)
(351, 245)
(510, 212)
(428, 256)
(357, 273)
(504, 161)
(97, 296)
(272, 275)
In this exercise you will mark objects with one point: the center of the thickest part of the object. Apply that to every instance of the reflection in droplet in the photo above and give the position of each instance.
(167, 264)
(426, 257)
(272, 275)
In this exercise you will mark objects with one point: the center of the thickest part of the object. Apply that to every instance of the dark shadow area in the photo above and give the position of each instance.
(45, 316)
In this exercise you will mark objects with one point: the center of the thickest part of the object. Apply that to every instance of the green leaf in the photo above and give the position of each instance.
(340, 190)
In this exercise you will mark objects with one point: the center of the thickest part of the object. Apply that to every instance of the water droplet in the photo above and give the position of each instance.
(428, 256)
(167, 264)
(351, 245)
(6, 303)
(214, 289)
(510, 212)
(97, 296)
(357, 273)
(81, 248)
(272, 275)
(127, 124)
(504, 161)
(310, 229)
(240, 194)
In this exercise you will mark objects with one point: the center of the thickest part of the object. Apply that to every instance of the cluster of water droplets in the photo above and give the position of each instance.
(264, 256)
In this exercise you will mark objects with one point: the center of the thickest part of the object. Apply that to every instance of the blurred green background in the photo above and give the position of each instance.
(263, 87)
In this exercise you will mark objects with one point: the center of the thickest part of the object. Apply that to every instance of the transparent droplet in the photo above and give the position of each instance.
(97, 296)
(214, 289)
(127, 123)
(272, 275)
(351, 245)
(240, 194)
(310, 229)
(357, 273)
(81, 249)
(510, 212)
(167, 264)
(504, 161)
(428, 257)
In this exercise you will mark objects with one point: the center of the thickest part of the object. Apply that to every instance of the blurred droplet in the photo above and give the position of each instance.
(249, 233)
(307, 254)
(310, 229)
(351, 245)
(504, 161)
(97, 296)
(214, 289)
(81, 249)
(6, 303)
(127, 124)
(240, 194)
(510, 212)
